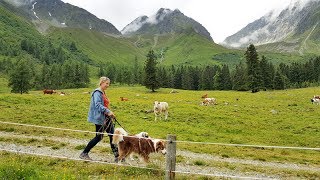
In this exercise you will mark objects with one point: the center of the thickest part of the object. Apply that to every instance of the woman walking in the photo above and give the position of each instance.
(101, 116)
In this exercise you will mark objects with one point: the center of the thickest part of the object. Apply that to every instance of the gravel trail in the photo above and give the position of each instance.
(187, 167)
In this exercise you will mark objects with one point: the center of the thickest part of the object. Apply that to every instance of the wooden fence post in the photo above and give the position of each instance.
(170, 157)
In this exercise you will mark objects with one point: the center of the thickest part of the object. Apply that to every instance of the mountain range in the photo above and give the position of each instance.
(165, 21)
(295, 29)
(175, 38)
(46, 13)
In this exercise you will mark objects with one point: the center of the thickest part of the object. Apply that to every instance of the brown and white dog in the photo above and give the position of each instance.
(140, 135)
(132, 144)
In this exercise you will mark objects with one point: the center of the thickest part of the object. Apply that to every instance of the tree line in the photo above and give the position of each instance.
(23, 75)
(254, 74)
(42, 64)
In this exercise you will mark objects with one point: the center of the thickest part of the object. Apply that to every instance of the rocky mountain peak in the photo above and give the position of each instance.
(278, 25)
(46, 13)
(164, 21)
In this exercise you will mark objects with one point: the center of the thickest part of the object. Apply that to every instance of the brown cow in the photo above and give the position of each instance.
(124, 99)
(49, 91)
(204, 96)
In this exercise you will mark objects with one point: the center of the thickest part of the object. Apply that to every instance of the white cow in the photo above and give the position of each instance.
(315, 101)
(159, 108)
(209, 101)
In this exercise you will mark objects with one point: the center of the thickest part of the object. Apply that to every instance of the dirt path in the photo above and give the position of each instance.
(70, 152)
(304, 43)
(137, 41)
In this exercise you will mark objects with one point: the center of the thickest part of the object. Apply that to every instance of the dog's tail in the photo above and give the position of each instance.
(118, 135)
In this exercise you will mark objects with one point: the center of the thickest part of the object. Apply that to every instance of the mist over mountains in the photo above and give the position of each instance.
(300, 20)
(163, 22)
(293, 29)
(45, 13)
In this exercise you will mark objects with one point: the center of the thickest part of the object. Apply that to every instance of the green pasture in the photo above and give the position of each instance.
(268, 118)
(33, 167)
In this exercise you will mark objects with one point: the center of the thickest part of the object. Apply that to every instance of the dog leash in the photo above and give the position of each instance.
(104, 127)
(119, 123)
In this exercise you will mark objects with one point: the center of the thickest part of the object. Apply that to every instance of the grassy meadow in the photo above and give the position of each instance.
(269, 118)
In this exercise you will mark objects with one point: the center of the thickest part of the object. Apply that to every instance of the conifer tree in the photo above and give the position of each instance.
(46, 77)
(206, 80)
(101, 71)
(187, 79)
(240, 78)
(226, 78)
(279, 82)
(218, 81)
(253, 69)
(136, 72)
(177, 78)
(163, 79)
(126, 76)
(316, 69)
(77, 79)
(296, 74)
(68, 73)
(308, 71)
(20, 77)
(55, 76)
(171, 73)
(111, 72)
(284, 69)
(85, 74)
(267, 70)
(196, 72)
(150, 72)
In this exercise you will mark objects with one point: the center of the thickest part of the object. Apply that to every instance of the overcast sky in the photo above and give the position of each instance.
(221, 18)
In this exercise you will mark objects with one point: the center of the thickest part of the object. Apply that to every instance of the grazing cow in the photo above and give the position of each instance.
(204, 96)
(124, 99)
(173, 91)
(315, 101)
(316, 96)
(208, 101)
(159, 108)
(49, 91)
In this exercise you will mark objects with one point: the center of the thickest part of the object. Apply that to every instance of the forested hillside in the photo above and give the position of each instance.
(41, 56)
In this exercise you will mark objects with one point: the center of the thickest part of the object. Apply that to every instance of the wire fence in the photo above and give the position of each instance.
(189, 142)
(129, 165)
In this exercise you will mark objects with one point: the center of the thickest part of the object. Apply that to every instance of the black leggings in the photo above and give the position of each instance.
(109, 128)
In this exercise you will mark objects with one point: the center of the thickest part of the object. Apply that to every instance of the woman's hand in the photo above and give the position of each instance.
(110, 113)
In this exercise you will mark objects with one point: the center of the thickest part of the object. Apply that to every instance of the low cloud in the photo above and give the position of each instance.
(140, 21)
(134, 26)
(155, 19)
(19, 2)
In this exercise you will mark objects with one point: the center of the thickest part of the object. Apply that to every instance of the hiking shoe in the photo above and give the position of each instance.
(85, 156)
(116, 160)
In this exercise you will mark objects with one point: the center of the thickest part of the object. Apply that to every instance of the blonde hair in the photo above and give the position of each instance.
(103, 79)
